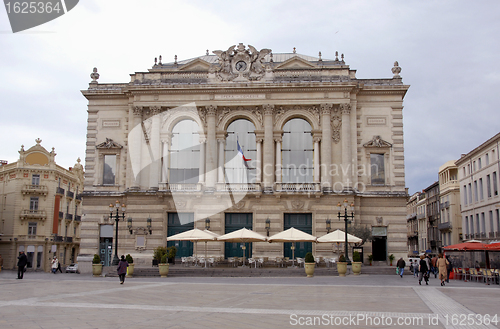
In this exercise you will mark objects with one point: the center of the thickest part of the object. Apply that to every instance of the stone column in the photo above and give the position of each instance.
(154, 143)
(258, 163)
(346, 146)
(165, 156)
(136, 143)
(211, 150)
(278, 159)
(222, 142)
(316, 159)
(201, 169)
(326, 147)
(268, 156)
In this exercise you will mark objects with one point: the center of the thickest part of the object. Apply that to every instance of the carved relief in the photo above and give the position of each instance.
(297, 204)
(377, 141)
(258, 113)
(239, 205)
(314, 111)
(345, 108)
(239, 63)
(336, 121)
(222, 113)
(268, 109)
(137, 110)
(154, 110)
(278, 113)
(202, 113)
(109, 144)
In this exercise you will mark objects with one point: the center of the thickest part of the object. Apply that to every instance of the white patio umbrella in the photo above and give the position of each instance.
(243, 235)
(292, 235)
(195, 235)
(338, 236)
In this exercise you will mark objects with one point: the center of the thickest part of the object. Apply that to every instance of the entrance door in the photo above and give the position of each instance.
(379, 248)
(234, 222)
(301, 222)
(106, 251)
(178, 223)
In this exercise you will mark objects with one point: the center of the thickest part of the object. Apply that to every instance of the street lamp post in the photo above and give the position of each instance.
(346, 218)
(116, 217)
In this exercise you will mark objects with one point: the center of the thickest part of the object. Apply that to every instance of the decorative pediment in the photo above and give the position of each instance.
(109, 144)
(196, 65)
(296, 63)
(377, 141)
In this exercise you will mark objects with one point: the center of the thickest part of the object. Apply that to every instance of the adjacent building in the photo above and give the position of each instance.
(450, 221)
(243, 138)
(40, 209)
(478, 177)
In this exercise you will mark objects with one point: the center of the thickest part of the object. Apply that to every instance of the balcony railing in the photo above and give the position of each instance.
(444, 226)
(467, 236)
(60, 191)
(58, 238)
(69, 216)
(70, 194)
(78, 218)
(68, 239)
(239, 187)
(33, 214)
(179, 187)
(297, 187)
(78, 197)
(491, 234)
(476, 235)
(61, 215)
(483, 234)
(497, 234)
(35, 189)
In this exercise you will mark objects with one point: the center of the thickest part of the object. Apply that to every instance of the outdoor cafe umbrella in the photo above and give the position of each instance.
(195, 235)
(292, 235)
(243, 235)
(338, 236)
(469, 245)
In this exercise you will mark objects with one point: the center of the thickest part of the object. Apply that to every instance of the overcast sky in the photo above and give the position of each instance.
(448, 52)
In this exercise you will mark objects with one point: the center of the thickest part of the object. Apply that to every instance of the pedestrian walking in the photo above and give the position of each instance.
(122, 269)
(54, 265)
(424, 271)
(401, 265)
(22, 261)
(442, 265)
(1, 262)
(449, 269)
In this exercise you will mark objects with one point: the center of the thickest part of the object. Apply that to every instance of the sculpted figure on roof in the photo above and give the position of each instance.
(240, 64)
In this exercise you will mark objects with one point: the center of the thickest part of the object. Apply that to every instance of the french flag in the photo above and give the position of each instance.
(240, 153)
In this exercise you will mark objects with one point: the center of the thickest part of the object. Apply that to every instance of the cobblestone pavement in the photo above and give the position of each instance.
(45, 300)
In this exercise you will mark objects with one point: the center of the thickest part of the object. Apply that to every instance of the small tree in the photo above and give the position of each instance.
(362, 232)
(342, 258)
(171, 252)
(356, 257)
(97, 259)
(129, 259)
(163, 259)
(309, 258)
(158, 253)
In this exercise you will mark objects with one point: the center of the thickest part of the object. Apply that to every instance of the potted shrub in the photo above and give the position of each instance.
(391, 258)
(356, 263)
(171, 252)
(130, 268)
(96, 265)
(342, 265)
(370, 259)
(158, 252)
(309, 264)
(163, 266)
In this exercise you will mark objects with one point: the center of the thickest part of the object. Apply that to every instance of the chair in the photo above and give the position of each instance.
(252, 261)
(487, 275)
(184, 261)
(332, 261)
(231, 261)
(465, 274)
(457, 273)
(474, 274)
(317, 260)
(300, 262)
(261, 262)
(211, 261)
(279, 261)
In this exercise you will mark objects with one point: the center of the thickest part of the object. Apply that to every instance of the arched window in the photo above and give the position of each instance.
(184, 153)
(236, 169)
(297, 152)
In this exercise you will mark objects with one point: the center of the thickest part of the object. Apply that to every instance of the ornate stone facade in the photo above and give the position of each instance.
(273, 94)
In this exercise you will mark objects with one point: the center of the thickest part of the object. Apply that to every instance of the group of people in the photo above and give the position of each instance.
(439, 265)
(55, 266)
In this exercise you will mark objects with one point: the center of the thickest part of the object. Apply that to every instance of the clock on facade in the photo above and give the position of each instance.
(240, 66)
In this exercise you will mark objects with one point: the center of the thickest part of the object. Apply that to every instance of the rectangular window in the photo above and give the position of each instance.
(34, 204)
(488, 185)
(35, 179)
(109, 170)
(483, 223)
(465, 194)
(32, 228)
(475, 191)
(487, 158)
(479, 163)
(466, 224)
(492, 228)
(470, 193)
(495, 184)
(481, 194)
(498, 219)
(478, 227)
(377, 169)
(472, 224)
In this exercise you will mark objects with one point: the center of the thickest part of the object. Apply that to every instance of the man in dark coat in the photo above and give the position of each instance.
(401, 265)
(21, 263)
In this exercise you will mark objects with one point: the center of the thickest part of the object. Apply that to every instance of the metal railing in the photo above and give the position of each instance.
(297, 187)
(70, 194)
(69, 216)
(60, 190)
(33, 214)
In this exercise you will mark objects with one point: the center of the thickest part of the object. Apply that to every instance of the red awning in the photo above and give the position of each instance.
(467, 246)
(493, 246)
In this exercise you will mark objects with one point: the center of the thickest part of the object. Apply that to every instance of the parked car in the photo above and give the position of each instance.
(72, 268)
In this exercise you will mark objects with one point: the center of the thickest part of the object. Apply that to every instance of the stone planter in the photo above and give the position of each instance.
(96, 269)
(309, 269)
(356, 268)
(163, 270)
(130, 270)
(342, 268)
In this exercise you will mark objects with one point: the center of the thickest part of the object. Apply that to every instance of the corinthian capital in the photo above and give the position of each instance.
(137, 110)
(211, 109)
(345, 108)
(155, 110)
(326, 108)
(268, 109)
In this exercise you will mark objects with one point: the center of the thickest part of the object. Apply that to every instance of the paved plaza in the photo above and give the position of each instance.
(45, 300)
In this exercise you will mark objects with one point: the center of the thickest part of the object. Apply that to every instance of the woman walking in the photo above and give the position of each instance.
(424, 271)
(55, 264)
(442, 265)
(122, 269)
